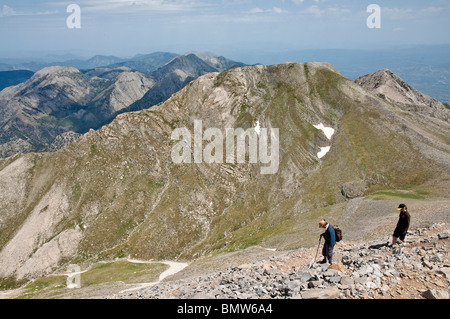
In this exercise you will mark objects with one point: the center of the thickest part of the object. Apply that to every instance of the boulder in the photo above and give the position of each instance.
(353, 189)
(435, 294)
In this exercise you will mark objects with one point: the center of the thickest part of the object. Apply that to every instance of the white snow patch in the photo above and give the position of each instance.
(323, 151)
(328, 131)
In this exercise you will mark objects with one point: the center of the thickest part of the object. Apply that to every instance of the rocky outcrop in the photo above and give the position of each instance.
(353, 189)
(416, 269)
(62, 140)
(391, 87)
(127, 88)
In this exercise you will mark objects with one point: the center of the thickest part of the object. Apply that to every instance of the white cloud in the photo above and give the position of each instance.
(315, 10)
(273, 10)
(139, 5)
(7, 11)
(249, 18)
(257, 10)
(279, 10)
(397, 13)
(432, 10)
(301, 1)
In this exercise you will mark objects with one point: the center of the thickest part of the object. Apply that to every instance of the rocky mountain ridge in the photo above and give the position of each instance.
(57, 100)
(115, 192)
(175, 75)
(391, 87)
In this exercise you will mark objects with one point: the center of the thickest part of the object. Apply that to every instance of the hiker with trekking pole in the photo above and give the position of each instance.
(331, 235)
(330, 240)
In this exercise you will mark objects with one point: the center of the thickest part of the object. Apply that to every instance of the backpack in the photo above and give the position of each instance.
(338, 233)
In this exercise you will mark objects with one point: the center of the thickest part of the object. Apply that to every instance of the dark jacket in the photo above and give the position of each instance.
(403, 222)
(330, 236)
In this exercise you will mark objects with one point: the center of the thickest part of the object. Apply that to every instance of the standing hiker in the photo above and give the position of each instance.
(330, 240)
(402, 224)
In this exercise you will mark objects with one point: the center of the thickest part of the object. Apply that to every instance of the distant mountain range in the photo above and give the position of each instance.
(141, 62)
(48, 109)
(427, 68)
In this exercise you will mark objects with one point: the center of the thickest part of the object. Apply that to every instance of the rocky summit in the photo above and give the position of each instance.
(418, 268)
(391, 87)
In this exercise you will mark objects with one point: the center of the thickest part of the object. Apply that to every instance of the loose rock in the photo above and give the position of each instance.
(418, 268)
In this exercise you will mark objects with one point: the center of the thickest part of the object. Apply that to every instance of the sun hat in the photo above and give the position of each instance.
(322, 222)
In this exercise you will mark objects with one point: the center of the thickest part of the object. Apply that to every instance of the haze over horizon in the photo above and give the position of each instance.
(242, 30)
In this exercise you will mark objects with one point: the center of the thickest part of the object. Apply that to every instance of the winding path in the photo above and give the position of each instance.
(174, 267)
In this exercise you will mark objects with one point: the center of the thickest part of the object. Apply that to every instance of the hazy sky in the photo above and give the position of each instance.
(229, 27)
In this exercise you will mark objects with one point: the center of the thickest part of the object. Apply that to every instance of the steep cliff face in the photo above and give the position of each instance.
(127, 88)
(118, 192)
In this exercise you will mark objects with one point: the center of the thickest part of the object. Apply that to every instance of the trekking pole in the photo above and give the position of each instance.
(317, 251)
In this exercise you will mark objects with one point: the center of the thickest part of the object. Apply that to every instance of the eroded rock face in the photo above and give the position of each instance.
(125, 89)
(32, 251)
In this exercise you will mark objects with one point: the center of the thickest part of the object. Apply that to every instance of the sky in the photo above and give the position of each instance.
(233, 28)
